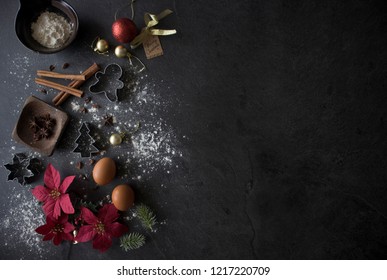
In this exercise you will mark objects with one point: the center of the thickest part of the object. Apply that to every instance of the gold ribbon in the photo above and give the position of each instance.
(151, 21)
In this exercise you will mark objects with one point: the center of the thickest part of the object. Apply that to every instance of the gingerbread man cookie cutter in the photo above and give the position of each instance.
(108, 82)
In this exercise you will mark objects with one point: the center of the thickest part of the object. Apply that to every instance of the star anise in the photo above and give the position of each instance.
(108, 120)
(46, 117)
(44, 132)
(48, 123)
(42, 127)
(33, 124)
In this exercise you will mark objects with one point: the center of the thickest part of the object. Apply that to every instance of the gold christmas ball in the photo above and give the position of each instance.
(102, 45)
(121, 51)
(115, 139)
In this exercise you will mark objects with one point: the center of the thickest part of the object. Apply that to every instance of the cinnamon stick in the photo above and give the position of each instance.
(61, 93)
(73, 91)
(51, 74)
(62, 96)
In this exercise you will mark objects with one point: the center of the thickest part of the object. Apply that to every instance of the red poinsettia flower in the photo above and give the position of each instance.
(53, 194)
(100, 228)
(56, 229)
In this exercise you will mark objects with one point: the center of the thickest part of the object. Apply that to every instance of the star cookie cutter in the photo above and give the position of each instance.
(108, 82)
(23, 168)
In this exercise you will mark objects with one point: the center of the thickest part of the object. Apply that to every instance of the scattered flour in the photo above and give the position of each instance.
(75, 106)
(154, 145)
(19, 223)
(150, 143)
(19, 66)
(150, 146)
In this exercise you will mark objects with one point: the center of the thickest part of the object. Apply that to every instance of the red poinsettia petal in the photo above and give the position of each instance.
(51, 221)
(44, 229)
(57, 239)
(49, 236)
(65, 204)
(61, 220)
(116, 229)
(102, 243)
(88, 216)
(85, 234)
(102, 213)
(48, 207)
(56, 212)
(108, 214)
(67, 227)
(40, 193)
(67, 236)
(51, 177)
(66, 183)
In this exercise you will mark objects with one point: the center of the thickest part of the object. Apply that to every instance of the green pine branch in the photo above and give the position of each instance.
(90, 205)
(132, 241)
(146, 216)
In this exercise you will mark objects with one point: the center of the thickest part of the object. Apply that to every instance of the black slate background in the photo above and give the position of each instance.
(283, 105)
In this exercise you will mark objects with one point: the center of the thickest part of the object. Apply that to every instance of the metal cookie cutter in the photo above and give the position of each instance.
(23, 168)
(108, 82)
(85, 142)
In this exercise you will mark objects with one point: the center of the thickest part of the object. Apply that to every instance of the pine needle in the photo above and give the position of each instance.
(132, 241)
(146, 216)
(90, 205)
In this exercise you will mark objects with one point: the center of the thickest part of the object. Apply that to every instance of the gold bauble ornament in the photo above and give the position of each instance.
(121, 51)
(115, 139)
(102, 46)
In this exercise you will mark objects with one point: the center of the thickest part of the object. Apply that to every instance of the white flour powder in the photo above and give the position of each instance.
(51, 30)
(153, 147)
(22, 216)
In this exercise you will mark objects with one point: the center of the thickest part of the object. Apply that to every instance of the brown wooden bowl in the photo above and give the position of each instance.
(22, 133)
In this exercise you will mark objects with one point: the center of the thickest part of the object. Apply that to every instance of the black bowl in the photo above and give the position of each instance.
(29, 12)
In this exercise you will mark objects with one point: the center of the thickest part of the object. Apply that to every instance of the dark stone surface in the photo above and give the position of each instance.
(282, 105)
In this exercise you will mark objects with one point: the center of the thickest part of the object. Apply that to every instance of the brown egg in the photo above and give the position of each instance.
(123, 197)
(104, 171)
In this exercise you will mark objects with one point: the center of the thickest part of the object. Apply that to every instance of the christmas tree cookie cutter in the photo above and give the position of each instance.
(108, 82)
(23, 168)
(85, 142)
